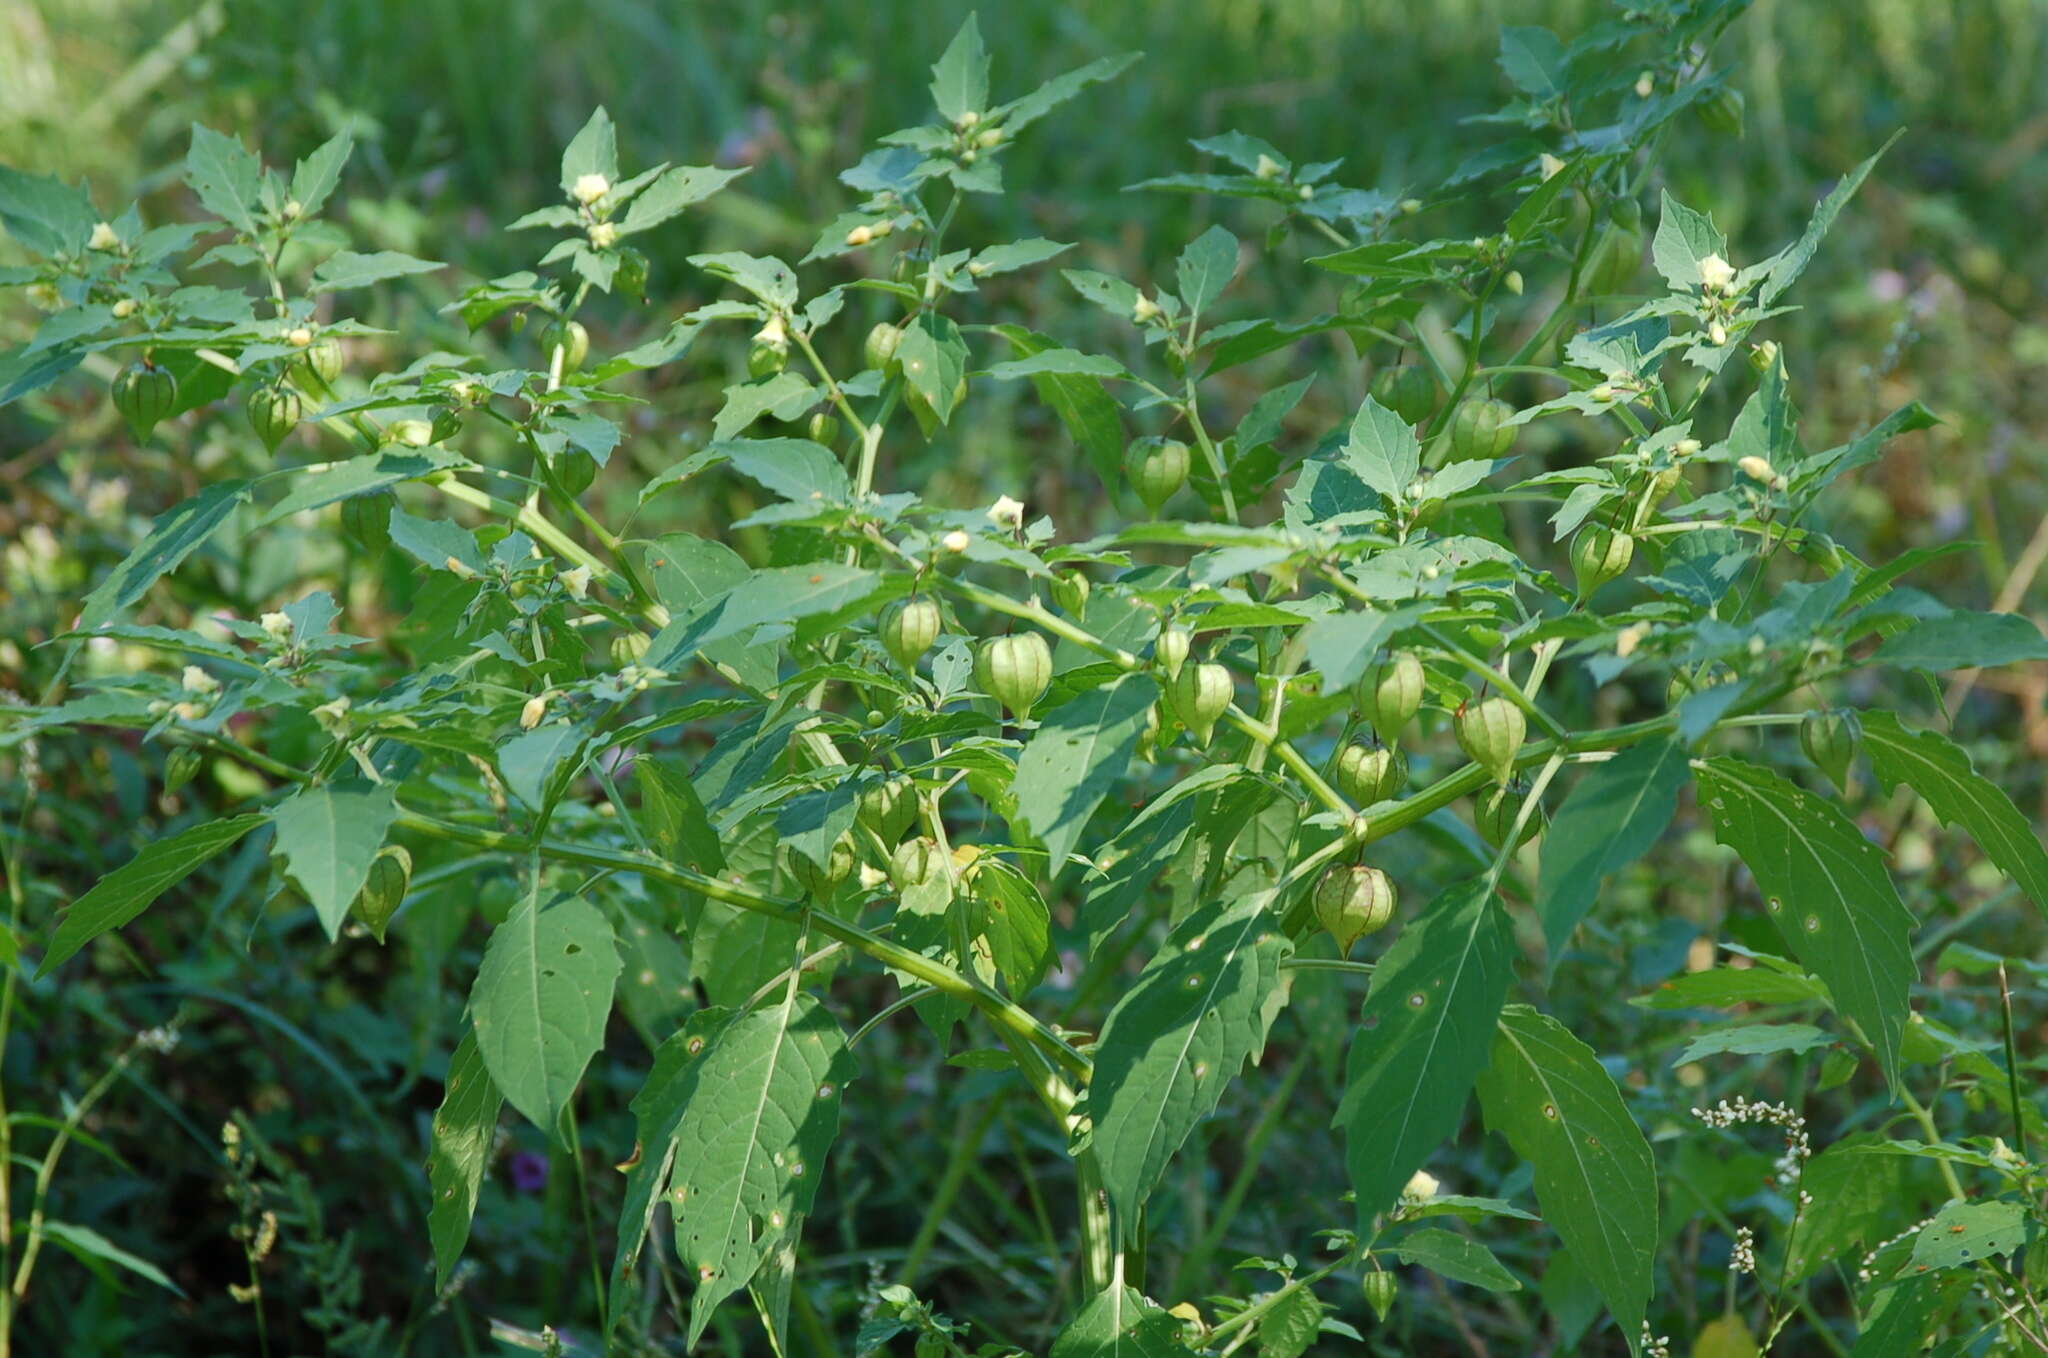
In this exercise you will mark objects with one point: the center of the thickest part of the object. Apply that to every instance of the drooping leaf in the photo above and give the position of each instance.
(1940, 771)
(87, 1243)
(540, 1001)
(465, 1128)
(1548, 1094)
(759, 1111)
(1616, 812)
(1902, 1316)
(176, 534)
(1426, 1032)
(1200, 1009)
(1754, 1039)
(657, 1114)
(128, 890)
(314, 178)
(1077, 752)
(1827, 888)
(329, 836)
(675, 816)
(1855, 1201)
(795, 469)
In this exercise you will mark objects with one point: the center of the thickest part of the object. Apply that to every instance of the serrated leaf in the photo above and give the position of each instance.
(1200, 1009)
(1754, 1039)
(540, 1001)
(1616, 812)
(1291, 1326)
(759, 1108)
(593, 150)
(45, 214)
(329, 836)
(1941, 772)
(769, 279)
(1534, 59)
(1548, 1094)
(314, 178)
(1789, 263)
(1383, 450)
(1684, 238)
(1061, 362)
(1340, 646)
(1007, 916)
(1721, 987)
(1902, 1316)
(465, 1130)
(1019, 114)
(1078, 751)
(1120, 1323)
(176, 534)
(1426, 1032)
(347, 269)
(1206, 267)
(667, 196)
(795, 469)
(960, 76)
(1457, 1257)
(1017, 254)
(1827, 888)
(360, 476)
(128, 890)
(530, 759)
(227, 177)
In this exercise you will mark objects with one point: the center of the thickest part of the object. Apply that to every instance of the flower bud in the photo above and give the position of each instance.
(104, 237)
(1422, 1186)
(298, 337)
(333, 717)
(576, 581)
(1145, 310)
(536, 708)
(278, 627)
(1717, 334)
(1513, 281)
(1267, 167)
(956, 541)
(1007, 513)
(1757, 468)
(591, 187)
(604, 235)
(1410, 206)
(199, 681)
(124, 308)
(1716, 274)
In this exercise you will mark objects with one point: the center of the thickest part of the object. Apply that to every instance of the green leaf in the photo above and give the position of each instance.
(347, 269)
(1206, 267)
(227, 176)
(759, 1111)
(1827, 888)
(176, 534)
(43, 213)
(767, 278)
(675, 815)
(1091, 415)
(593, 150)
(1019, 114)
(1198, 1011)
(360, 476)
(1457, 1257)
(1684, 238)
(667, 196)
(128, 890)
(329, 837)
(1341, 645)
(657, 1112)
(1754, 1039)
(1965, 1234)
(1017, 254)
(1940, 771)
(90, 1244)
(1902, 1316)
(1855, 1206)
(1789, 263)
(1063, 362)
(960, 76)
(1008, 918)
(465, 1133)
(934, 359)
(1426, 1032)
(1616, 812)
(1383, 450)
(1291, 1326)
(540, 1001)
(530, 759)
(1078, 751)
(314, 178)
(1534, 59)
(435, 542)
(1964, 640)
(795, 469)
(1120, 1323)
(1548, 1094)
(1721, 987)
(785, 395)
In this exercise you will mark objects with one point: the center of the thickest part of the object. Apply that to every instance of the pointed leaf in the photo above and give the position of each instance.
(1077, 752)
(1120, 1323)
(960, 76)
(329, 837)
(176, 534)
(128, 890)
(465, 1130)
(1426, 1033)
(1684, 238)
(934, 358)
(1940, 771)
(227, 176)
(593, 150)
(540, 1002)
(314, 178)
(1618, 810)
(1200, 1009)
(1383, 450)
(1206, 267)
(1786, 267)
(1548, 1094)
(1827, 888)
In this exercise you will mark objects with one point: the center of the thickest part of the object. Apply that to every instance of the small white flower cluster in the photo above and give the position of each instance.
(1655, 1345)
(1863, 1271)
(159, 1039)
(1797, 1148)
(1743, 1258)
